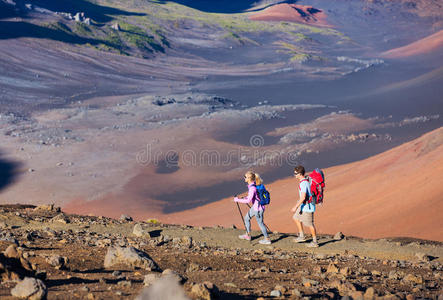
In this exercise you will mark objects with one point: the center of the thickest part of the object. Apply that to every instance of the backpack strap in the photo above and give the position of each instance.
(308, 198)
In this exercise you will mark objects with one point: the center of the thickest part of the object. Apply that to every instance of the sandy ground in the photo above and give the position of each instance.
(428, 44)
(396, 193)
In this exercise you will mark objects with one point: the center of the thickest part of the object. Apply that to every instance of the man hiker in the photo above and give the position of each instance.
(304, 209)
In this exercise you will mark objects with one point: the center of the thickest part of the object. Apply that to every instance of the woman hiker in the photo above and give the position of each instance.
(256, 209)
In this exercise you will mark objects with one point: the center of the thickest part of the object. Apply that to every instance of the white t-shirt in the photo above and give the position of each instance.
(306, 188)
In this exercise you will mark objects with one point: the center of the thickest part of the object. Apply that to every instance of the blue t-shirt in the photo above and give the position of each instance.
(306, 188)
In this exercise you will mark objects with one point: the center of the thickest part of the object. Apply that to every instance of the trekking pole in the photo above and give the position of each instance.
(241, 214)
(263, 220)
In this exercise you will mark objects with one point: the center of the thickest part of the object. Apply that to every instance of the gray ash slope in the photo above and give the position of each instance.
(51, 54)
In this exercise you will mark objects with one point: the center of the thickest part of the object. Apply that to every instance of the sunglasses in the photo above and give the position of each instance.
(295, 173)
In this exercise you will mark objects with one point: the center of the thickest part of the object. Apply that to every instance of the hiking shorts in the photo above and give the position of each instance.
(307, 218)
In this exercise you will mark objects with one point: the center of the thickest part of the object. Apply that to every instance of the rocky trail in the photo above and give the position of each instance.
(86, 257)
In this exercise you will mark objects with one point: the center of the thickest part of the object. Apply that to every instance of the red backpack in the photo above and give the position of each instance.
(317, 182)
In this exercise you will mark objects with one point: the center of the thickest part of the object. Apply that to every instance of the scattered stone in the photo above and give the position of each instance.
(129, 256)
(61, 218)
(338, 236)
(30, 288)
(150, 279)
(140, 232)
(193, 267)
(417, 279)
(11, 252)
(124, 283)
(186, 241)
(230, 284)
(125, 218)
(57, 261)
(332, 268)
(309, 282)
(206, 290)
(296, 293)
(116, 26)
(276, 293)
(423, 257)
(116, 273)
(48, 207)
(370, 293)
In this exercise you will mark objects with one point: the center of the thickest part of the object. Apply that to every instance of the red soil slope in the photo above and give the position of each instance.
(292, 13)
(395, 193)
(423, 46)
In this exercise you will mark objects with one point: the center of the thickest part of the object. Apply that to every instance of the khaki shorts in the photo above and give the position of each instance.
(307, 218)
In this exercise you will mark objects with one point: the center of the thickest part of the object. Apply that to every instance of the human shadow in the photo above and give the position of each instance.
(220, 6)
(94, 11)
(59, 32)
(8, 171)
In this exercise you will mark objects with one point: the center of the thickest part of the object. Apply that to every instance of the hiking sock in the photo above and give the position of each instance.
(301, 235)
(314, 239)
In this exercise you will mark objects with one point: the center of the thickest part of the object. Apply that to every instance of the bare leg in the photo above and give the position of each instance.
(300, 227)
(314, 233)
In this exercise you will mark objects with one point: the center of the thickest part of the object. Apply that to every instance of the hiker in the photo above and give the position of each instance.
(304, 210)
(256, 209)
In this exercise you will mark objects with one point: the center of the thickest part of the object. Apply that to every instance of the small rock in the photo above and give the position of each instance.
(332, 268)
(11, 252)
(139, 231)
(125, 218)
(116, 26)
(206, 290)
(116, 273)
(417, 279)
(338, 236)
(230, 284)
(57, 261)
(193, 267)
(423, 257)
(370, 293)
(296, 293)
(61, 218)
(187, 241)
(124, 283)
(30, 288)
(276, 293)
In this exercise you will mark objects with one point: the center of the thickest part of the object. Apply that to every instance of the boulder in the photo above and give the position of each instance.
(30, 288)
(129, 256)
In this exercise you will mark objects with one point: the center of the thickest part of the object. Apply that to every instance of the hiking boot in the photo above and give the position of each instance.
(312, 245)
(264, 242)
(244, 237)
(300, 239)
